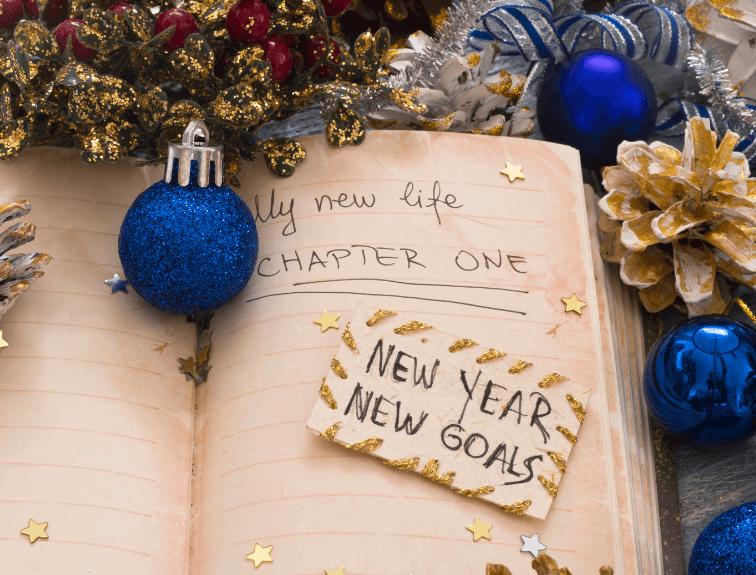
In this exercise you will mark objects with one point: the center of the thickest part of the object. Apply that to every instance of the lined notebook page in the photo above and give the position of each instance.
(486, 259)
(95, 418)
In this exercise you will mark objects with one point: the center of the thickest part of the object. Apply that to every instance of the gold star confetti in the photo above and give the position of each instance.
(573, 304)
(260, 555)
(513, 172)
(480, 529)
(339, 571)
(327, 320)
(35, 531)
(3, 343)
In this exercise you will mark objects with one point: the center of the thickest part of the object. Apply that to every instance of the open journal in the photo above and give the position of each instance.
(139, 472)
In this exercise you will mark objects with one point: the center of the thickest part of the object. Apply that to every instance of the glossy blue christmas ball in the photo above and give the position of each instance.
(700, 381)
(188, 249)
(726, 546)
(593, 101)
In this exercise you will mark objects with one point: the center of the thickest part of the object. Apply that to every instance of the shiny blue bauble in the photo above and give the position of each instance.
(700, 381)
(727, 545)
(188, 249)
(593, 101)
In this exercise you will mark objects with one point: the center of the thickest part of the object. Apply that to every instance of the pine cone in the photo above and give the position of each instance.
(17, 271)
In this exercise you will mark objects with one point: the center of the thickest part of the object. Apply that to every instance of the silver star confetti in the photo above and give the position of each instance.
(532, 545)
(117, 284)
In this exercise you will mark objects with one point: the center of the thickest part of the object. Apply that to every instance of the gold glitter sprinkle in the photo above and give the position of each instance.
(338, 368)
(577, 407)
(473, 60)
(559, 461)
(365, 445)
(698, 16)
(406, 102)
(436, 124)
(519, 366)
(550, 485)
(330, 433)
(475, 492)
(489, 355)
(403, 464)
(430, 471)
(348, 339)
(568, 434)
(517, 508)
(461, 344)
(551, 379)
(411, 326)
(378, 316)
(249, 25)
(325, 393)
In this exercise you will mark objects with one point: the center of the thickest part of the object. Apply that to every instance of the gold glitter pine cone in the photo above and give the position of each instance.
(673, 219)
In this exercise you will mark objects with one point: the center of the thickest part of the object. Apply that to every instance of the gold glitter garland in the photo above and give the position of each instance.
(378, 316)
(411, 326)
(517, 508)
(550, 485)
(559, 461)
(348, 339)
(369, 444)
(461, 344)
(489, 355)
(551, 379)
(430, 471)
(330, 433)
(409, 464)
(568, 434)
(474, 492)
(519, 366)
(743, 306)
(338, 368)
(577, 407)
(325, 393)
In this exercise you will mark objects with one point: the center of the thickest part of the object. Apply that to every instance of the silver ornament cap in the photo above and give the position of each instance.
(189, 150)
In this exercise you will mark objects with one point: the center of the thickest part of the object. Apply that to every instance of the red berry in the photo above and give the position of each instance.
(185, 26)
(66, 29)
(288, 39)
(279, 56)
(315, 50)
(335, 7)
(56, 12)
(248, 21)
(120, 8)
(11, 12)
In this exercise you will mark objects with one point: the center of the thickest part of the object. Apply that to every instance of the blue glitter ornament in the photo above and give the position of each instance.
(700, 381)
(593, 101)
(726, 546)
(189, 244)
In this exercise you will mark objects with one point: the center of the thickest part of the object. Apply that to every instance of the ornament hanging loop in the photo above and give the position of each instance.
(190, 150)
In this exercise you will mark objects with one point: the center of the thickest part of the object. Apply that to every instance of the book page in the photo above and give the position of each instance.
(426, 226)
(95, 418)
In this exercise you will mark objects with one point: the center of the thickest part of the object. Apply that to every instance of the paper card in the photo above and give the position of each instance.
(421, 400)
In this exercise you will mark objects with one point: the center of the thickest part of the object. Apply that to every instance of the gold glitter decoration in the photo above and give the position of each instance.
(344, 126)
(403, 464)
(676, 219)
(550, 485)
(572, 303)
(430, 471)
(396, 9)
(551, 379)
(378, 316)
(489, 355)
(698, 16)
(577, 407)
(461, 344)
(330, 433)
(517, 508)
(543, 565)
(519, 366)
(568, 434)
(473, 60)
(411, 326)
(406, 101)
(282, 154)
(370, 444)
(740, 303)
(338, 368)
(325, 393)
(436, 124)
(35, 531)
(559, 461)
(475, 492)
(195, 60)
(348, 339)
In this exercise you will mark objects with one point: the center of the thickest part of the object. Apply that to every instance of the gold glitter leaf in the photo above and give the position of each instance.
(559, 461)
(517, 508)
(282, 154)
(489, 355)
(371, 50)
(411, 326)
(344, 126)
(550, 485)
(152, 106)
(430, 471)
(75, 73)
(35, 39)
(248, 67)
(195, 60)
(461, 344)
(550, 380)
(14, 65)
(5, 104)
(234, 106)
(378, 316)
(475, 492)
(98, 147)
(348, 339)
(13, 137)
(325, 393)
(403, 464)
(577, 407)
(568, 434)
(330, 433)
(100, 31)
(139, 21)
(519, 366)
(365, 445)
(338, 368)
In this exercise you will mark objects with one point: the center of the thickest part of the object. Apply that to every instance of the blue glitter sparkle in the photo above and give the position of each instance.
(726, 546)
